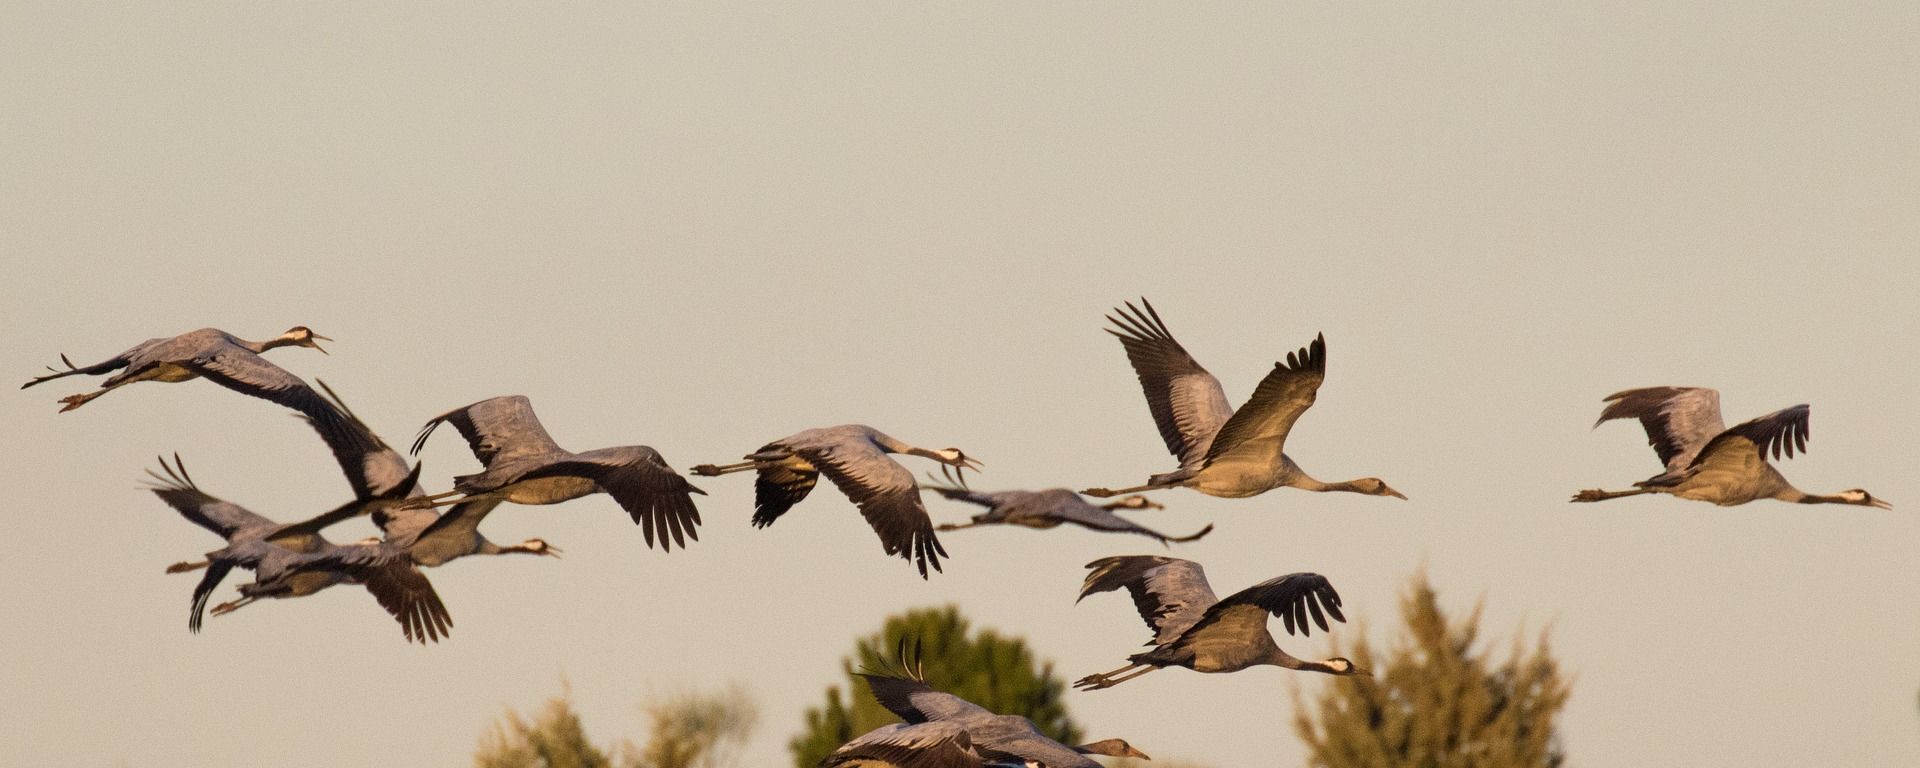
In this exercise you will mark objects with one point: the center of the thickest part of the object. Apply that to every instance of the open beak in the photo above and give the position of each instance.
(552, 551)
(1881, 503)
(314, 339)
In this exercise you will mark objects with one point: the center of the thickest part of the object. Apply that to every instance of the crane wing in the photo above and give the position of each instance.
(1171, 594)
(1187, 402)
(373, 468)
(1781, 432)
(900, 745)
(1679, 420)
(462, 520)
(247, 373)
(1294, 598)
(222, 517)
(887, 497)
(217, 571)
(1096, 518)
(499, 429)
(1259, 429)
(658, 498)
(916, 702)
(393, 580)
(779, 484)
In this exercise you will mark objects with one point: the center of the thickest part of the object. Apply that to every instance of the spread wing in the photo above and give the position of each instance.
(1079, 512)
(394, 581)
(900, 745)
(177, 489)
(501, 429)
(916, 702)
(1187, 403)
(460, 521)
(247, 373)
(1171, 594)
(1679, 420)
(778, 485)
(887, 497)
(1294, 598)
(373, 468)
(658, 498)
(1259, 429)
(1781, 432)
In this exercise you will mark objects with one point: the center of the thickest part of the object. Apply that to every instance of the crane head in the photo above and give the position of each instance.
(1135, 501)
(1339, 665)
(540, 547)
(302, 336)
(958, 459)
(1861, 497)
(1374, 486)
(1111, 748)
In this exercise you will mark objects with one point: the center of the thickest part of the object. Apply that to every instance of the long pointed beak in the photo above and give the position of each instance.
(1396, 494)
(553, 551)
(311, 342)
(1881, 503)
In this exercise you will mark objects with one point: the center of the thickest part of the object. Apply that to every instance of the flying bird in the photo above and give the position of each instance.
(228, 360)
(1707, 461)
(854, 456)
(1013, 738)
(271, 549)
(1192, 629)
(1224, 452)
(1052, 507)
(524, 466)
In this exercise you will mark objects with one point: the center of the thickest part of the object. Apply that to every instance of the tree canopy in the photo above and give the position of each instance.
(984, 667)
(1436, 701)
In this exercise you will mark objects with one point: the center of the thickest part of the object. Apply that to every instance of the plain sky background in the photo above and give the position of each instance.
(701, 227)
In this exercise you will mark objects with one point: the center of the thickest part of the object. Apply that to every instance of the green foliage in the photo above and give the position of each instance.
(1435, 702)
(687, 730)
(986, 668)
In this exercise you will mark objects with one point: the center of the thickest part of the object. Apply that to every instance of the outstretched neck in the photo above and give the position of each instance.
(258, 347)
(1279, 658)
(1798, 496)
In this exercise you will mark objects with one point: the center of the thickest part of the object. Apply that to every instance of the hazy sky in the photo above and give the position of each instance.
(702, 227)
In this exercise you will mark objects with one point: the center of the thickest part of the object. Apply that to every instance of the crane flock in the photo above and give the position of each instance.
(1221, 452)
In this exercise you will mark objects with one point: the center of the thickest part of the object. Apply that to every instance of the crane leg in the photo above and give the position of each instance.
(1106, 492)
(1107, 679)
(230, 607)
(183, 567)
(1599, 495)
(710, 470)
(1123, 678)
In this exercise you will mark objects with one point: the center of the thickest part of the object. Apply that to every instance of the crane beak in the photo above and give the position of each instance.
(1393, 493)
(552, 551)
(314, 339)
(1881, 503)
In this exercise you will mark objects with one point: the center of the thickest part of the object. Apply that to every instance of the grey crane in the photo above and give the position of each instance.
(228, 360)
(854, 456)
(1192, 629)
(1224, 452)
(1050, 508)
(270, 549)
(378, 475)
(525, 466)
(933, 744)
(907, 695)
(1707, 461)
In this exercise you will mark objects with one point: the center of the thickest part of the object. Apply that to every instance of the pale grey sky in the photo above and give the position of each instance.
(701, 227)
